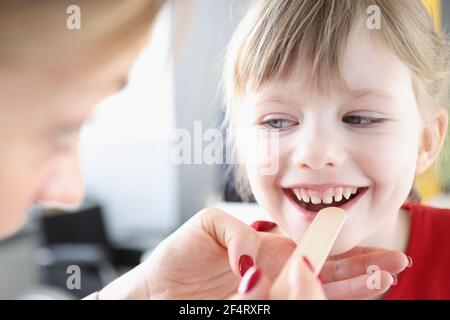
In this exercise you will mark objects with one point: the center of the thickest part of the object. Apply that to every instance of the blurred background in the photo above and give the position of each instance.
(136, 195)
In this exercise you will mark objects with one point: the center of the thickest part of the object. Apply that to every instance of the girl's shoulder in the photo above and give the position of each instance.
(427, 214)
(428, 247)
(430, 226)
(429, 232)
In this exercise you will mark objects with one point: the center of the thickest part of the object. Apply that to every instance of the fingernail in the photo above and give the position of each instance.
(320, 278)
(245, 262)
(394, 279)
(262, 225)
(308, 263)
(410, 262)
(249, 280)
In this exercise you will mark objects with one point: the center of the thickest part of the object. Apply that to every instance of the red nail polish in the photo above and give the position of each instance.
(319, 277)
(245, 262)
(308, 263)
(249, 280)
(262, 225)
(410, 262)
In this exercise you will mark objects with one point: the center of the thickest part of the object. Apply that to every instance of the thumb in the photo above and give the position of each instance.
(241, 240)
(254, 286)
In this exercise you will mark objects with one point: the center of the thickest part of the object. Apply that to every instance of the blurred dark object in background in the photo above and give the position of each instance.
(228, 185)
(80, 239)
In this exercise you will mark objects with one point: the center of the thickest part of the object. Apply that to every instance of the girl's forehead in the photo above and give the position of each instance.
(366, 69)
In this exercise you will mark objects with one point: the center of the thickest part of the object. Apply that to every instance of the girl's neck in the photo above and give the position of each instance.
(394, 234)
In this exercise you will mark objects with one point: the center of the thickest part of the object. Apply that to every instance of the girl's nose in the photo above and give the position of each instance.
(63, 185)
(318, 153)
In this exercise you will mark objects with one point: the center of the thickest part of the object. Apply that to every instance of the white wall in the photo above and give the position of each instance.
(196, 75)
(125, 147)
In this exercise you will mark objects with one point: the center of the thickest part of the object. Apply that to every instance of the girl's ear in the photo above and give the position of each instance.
(432, 140)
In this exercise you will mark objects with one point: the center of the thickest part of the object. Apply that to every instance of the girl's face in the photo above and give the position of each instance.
(332, 144)
(41, 112)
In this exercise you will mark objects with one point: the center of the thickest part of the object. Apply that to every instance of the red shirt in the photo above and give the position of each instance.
(429, 247)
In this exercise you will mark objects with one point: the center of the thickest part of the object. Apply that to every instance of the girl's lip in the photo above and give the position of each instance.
(309, 215)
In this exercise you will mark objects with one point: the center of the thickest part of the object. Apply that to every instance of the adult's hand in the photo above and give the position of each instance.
(362, 273)
(204, 259)
(346, 276)
(207, 256)
(303, 285)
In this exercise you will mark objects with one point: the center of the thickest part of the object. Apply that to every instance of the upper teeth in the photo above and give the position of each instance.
(326, 196)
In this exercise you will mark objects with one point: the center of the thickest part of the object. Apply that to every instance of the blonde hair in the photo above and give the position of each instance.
(36, 31)
(275, 34)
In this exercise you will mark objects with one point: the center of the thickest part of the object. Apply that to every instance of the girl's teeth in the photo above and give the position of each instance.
(298, 194)
(315, 200)
(347, 193)
(338, 194)
(327, 200)
(333, 194)
(305, 197)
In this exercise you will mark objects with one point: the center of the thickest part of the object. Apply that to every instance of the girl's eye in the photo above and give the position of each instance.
(279, 123)
(361, 120)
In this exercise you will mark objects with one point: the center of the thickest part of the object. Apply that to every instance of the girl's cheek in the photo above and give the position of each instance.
(262, 165)
(390, 165)
(264, 170)
(262, 184)
(262, 152)
(266, 194)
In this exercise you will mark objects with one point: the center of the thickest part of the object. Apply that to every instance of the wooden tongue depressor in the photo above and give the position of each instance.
(316, 244)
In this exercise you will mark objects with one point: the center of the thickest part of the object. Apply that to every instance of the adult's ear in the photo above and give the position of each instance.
(432, 140)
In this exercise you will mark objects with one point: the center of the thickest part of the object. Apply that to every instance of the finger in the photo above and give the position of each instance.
(356, 251)
(241, 240)
(341, 269)
(254, 286)
(304, 285)
(362, 287)
(274, 252)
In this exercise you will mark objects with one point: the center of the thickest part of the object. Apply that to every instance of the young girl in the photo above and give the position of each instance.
(354, 94)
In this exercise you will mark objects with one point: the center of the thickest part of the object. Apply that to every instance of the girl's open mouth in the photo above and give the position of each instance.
(306, 205)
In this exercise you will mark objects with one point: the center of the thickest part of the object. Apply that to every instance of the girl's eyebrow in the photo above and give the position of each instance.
(370, 92)
(350, 94)
(275, 98)
(274, 102)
